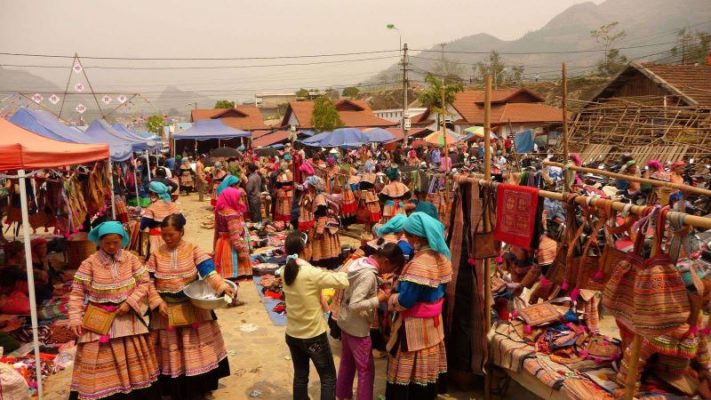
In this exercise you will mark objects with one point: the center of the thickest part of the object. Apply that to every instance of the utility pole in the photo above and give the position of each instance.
(405, 87)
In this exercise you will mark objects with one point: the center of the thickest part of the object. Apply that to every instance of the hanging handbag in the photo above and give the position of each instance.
(618, 297)
(660, 299)
(483, 244)
(611, 255)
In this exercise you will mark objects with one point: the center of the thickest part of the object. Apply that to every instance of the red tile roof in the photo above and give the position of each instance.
(515, 105)
(693, 82)
(240, 117)
(270, 138)
(353, 113)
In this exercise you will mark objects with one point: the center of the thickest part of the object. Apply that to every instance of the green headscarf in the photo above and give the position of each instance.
(109, 228)
(161, 190)
(424, 226)
(229, 180)
(427, 208)
(394, 225)
(392, 173)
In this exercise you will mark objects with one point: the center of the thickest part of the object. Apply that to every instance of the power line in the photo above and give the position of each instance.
(131, 68)
(539, 52)
(200, 58)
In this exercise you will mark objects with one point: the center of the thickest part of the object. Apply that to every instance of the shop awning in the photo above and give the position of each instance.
(22, 149)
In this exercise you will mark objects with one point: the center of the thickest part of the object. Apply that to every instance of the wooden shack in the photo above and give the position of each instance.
(653, 111)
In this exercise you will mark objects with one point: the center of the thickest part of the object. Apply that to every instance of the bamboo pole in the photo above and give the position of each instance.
(653, 182)
(564, 107)
(691, 220)
(487, 224)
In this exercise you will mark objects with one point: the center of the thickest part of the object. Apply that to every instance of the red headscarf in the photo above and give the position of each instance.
(230, 199)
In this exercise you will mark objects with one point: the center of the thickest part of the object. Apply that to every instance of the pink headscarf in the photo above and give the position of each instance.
(655, 165)
(230, 199)
(307, 169)
(575, 157)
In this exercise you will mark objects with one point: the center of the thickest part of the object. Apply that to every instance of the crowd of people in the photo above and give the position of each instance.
(138, 338)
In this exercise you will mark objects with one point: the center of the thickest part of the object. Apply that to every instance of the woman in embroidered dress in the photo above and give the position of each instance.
(367, 196)
(187, 183)
(161, 207)
(325, 242)
(418, 360)
(306, 204)
(218, 174)
(192, 358)
(231, 250)
(120, 364)
(284, 193)
(393, 195)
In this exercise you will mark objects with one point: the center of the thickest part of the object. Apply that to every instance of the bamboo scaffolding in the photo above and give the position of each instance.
(654, 182)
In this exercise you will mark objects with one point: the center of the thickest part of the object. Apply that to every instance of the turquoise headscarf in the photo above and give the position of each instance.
(427, 208)
(229, 180)
(424, 226)
(161, 190)
(108, 228)
(394, 225)
(392, 173)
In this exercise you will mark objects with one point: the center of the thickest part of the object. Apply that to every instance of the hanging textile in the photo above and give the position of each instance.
(516, 214)
(467, 347)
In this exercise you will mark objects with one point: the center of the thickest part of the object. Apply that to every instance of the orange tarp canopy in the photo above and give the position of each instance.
(22, 149)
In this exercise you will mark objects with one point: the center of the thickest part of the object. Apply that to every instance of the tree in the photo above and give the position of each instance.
(692, 47)
(431, 96)
(325, 116)
(350, 91)
(302, 93)
(225, 104)
(500, 73)
(155, 124)
(607, 35)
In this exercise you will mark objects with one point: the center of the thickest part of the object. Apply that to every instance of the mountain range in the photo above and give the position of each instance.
(650, 27)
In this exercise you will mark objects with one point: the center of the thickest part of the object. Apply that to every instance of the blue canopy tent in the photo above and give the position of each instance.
(100, 131)
(211, 129)
(152, 141)
(337, 137)
(45, 124)
(378, 135)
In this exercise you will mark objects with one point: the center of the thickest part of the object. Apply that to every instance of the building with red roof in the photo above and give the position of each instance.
(245, 117)
(353, 113)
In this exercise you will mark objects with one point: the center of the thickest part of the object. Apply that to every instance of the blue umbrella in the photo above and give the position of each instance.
(379, 135)
(336, 138)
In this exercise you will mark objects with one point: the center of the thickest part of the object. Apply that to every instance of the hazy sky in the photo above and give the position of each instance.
(236, 28)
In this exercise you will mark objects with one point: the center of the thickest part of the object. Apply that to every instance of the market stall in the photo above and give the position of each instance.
(25, 151)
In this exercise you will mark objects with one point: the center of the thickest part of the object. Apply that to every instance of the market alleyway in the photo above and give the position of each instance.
(259, 358)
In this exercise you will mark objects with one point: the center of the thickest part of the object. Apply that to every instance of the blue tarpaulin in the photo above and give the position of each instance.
(337, 137)
(211, 129)
(524, 141)
(101, 128)
(151, 140)
(45, 124)
(379, 135)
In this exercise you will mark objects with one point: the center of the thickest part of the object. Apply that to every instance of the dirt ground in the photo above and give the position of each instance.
(259, 360)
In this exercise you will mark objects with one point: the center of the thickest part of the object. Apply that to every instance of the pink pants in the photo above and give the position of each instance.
(357, 355)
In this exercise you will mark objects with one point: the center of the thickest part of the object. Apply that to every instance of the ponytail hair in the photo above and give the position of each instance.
(294, 244)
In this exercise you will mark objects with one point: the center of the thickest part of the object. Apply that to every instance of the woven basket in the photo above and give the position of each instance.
(79, 248)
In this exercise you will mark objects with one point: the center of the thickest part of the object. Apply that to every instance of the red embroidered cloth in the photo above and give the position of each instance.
(516, 214)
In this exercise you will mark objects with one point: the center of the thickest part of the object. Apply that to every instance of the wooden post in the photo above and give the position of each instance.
(487, 225)
(566, 150)
(564, 107)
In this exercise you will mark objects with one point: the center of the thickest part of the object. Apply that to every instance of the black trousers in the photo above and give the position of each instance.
(318, 351)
